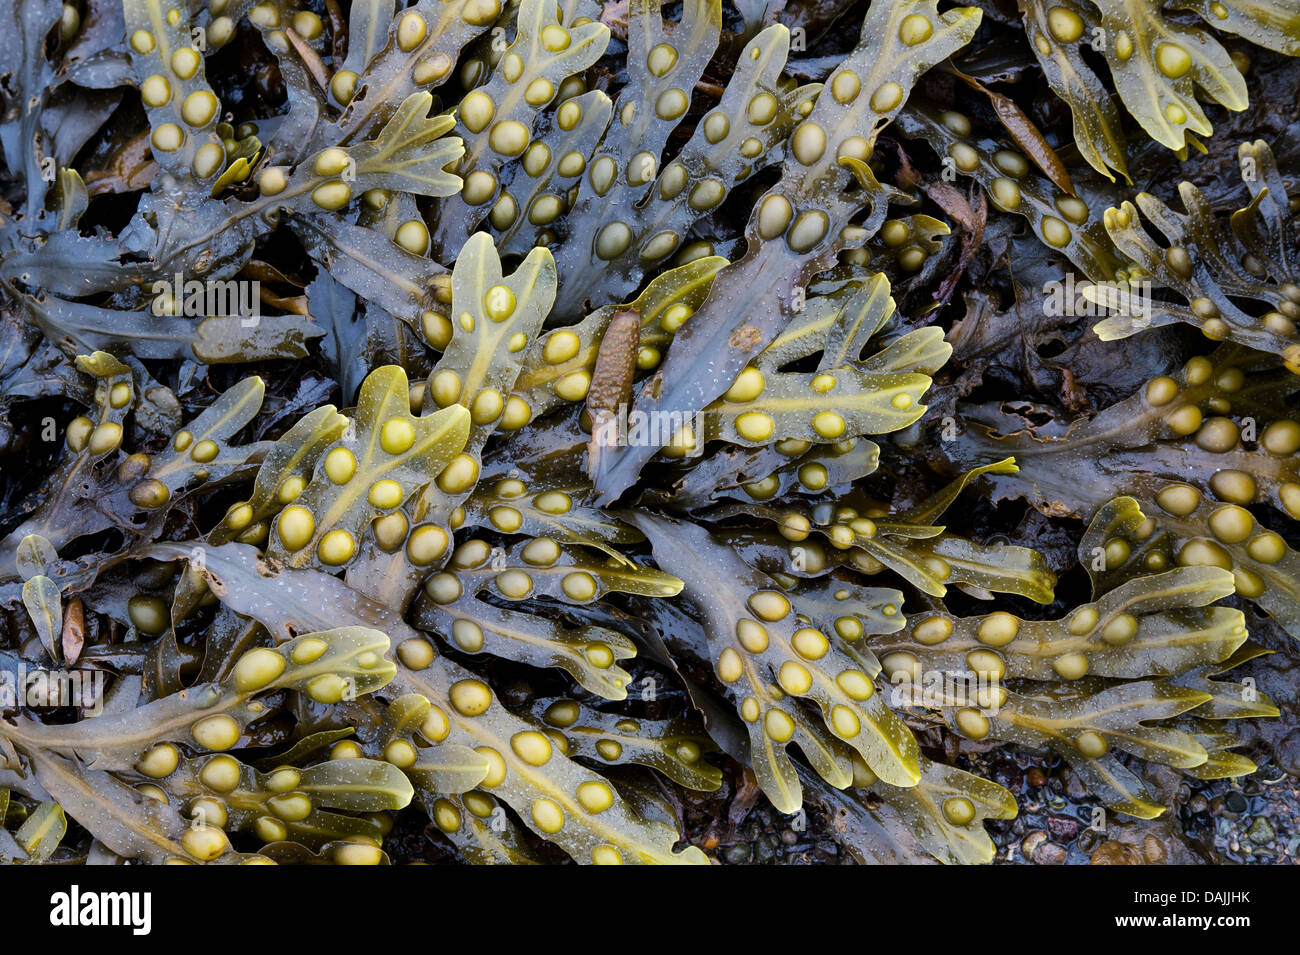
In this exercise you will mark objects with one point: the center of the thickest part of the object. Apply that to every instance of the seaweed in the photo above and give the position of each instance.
(1164, 64)
(609, 443)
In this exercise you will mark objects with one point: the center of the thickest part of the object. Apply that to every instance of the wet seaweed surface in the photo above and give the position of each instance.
(749, 432)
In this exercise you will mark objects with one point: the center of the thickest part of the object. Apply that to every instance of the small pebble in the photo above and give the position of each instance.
(1032, 842)
(1049, 853)
(1034, 776)
(1062, 828)
(1116, 853)
(1008, 775)
(736, 855)
(1260, 832)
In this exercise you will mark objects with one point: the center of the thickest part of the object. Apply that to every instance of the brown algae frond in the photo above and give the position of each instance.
(613, 441)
